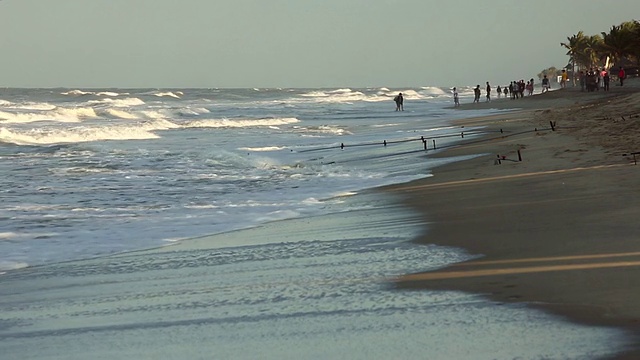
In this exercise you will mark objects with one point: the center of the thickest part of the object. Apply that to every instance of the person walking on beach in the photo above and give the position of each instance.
(476, 93)
(606, 79)
(545, 84)
(563, 79)
(621, 75)
(532, 87)
(456, 100)
(499, 91)
(488, 92)
(529, 88)
(399, 99)
(505, 90)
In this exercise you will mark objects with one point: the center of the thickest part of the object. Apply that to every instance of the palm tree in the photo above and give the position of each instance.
(635, 41)
(622, 41)
(592, 50)
(574, 45)
(619, 42)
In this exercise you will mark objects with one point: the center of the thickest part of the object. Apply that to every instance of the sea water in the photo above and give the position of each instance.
(93, 172)
(88, 173)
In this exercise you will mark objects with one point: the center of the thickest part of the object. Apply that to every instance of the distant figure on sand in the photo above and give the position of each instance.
(499, 91)
(488, 92)
(399, 99)
(621, 75)
(545, 84)
(606, 79)
(505, 90)
(476, 93)
(456, 101)
(563, 79)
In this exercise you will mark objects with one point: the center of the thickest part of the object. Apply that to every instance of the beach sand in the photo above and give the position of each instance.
(558, 230)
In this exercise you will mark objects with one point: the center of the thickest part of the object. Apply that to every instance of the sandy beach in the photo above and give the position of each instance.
(551, 205)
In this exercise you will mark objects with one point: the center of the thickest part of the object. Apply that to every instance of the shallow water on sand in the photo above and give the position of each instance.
(322, 293)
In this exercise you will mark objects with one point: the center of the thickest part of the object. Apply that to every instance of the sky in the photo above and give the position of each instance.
(290, 43)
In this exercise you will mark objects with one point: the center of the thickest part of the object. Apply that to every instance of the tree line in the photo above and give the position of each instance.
(620, 44)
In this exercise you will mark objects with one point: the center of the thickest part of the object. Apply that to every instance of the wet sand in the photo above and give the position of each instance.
(552, 205)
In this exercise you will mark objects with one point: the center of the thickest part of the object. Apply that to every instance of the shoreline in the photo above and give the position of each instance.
(556, 230)
(127, 297)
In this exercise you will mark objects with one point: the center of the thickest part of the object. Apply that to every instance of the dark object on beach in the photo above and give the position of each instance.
(591, 81)
(399, 99)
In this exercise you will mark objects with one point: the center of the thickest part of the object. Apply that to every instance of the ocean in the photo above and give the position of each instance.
(89, 173)
(238, 224)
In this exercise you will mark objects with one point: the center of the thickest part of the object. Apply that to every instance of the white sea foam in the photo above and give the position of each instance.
(191, 111)
(11, 265)
(77, 92)
(58, 114)
(152, 114)
(322, 129)
(7, 235)
(108, 93)
(80, 134)
(170, 94)
(34, 106)
(260, 149)
(121, 114)
(385, 125)
(126, 102)
(238, 123)
(337, 96)
(433, 91)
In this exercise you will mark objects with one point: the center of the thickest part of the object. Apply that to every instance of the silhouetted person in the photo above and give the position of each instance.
(476, 93)
(488, 92)
(621, 75)
(399, 99)
(456, 100)
(545, 84)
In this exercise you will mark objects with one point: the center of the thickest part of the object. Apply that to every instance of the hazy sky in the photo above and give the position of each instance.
(290, 43)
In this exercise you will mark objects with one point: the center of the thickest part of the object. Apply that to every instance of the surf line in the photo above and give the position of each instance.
(511, 271)
(517, 176)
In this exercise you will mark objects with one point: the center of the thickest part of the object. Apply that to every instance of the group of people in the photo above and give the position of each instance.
(477, 92)
(516, 89)
(595, 79)
(592, 80)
